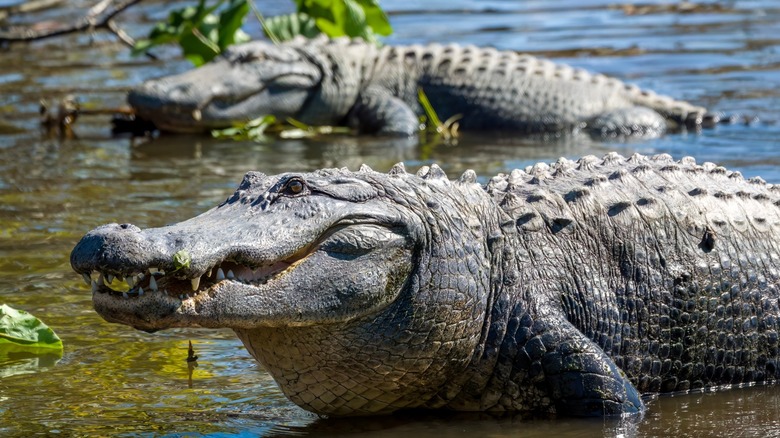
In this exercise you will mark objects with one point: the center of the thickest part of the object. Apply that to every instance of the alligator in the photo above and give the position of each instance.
(375, 90)
(572, 288)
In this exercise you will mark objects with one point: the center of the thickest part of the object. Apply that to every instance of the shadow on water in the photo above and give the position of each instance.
(115, 381)
(437, 424)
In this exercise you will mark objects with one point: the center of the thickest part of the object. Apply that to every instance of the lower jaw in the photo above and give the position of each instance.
(194, 128)
(173, 123)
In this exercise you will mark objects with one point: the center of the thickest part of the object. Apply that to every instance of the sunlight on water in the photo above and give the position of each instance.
(112, 380)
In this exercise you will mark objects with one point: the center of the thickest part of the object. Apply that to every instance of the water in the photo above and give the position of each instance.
(112, 380)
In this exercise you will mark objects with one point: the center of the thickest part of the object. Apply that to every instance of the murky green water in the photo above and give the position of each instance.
(115, 381)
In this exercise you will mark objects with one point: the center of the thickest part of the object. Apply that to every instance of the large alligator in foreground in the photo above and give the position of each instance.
(572, 288)
(350, 82)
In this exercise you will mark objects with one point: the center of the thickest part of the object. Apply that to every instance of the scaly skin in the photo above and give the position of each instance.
(571, 288)
(350, 82)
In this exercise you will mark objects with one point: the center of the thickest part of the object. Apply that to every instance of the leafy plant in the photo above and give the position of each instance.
(256, 129)
(205, 30)
(285, 27)
(199, 30)
(335, 18)
(251, 130)
(22, 330)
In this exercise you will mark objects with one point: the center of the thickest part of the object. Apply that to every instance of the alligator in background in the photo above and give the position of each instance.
(350, 82)
(569, 288)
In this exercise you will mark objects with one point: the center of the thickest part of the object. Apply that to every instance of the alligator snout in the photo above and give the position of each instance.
(155, 94)
(111, 246)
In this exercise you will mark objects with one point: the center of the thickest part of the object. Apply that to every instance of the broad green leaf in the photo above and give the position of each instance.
(230, 21)
(354, 21)
(354, 18)
(376, 17)
(21, 329)
(203, 35)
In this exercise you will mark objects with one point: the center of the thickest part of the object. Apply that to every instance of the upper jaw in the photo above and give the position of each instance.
(221, 94)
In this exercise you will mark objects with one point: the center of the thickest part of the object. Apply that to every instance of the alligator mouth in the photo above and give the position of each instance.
(155, 280)
(190, 119)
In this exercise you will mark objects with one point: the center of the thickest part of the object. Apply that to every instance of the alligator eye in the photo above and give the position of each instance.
(294, 186)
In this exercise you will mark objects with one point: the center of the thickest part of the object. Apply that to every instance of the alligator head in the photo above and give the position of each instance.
(247, 81)
(333, 280)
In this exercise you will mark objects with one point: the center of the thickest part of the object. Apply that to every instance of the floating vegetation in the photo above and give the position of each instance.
(261, 128)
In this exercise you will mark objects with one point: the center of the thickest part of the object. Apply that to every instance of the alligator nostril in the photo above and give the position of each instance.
(129, 227)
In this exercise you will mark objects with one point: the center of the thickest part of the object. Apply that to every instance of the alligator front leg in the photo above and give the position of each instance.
(378, 111)
(582, 379)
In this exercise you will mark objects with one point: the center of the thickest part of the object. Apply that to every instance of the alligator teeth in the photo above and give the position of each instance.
(87, 279)
(196, 115)
(94, 275)
(141, 291)
(109, 279)
(131, 281)
(153, 270)
(195, 283)
(152, 283)
(231, 275)
(220, 274)
(94, 285)
(208, 274)
(124, 295)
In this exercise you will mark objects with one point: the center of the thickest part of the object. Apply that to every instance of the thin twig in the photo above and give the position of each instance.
(125, 38)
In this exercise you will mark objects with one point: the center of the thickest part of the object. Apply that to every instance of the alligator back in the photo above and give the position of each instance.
(671, 268)
(494, 89)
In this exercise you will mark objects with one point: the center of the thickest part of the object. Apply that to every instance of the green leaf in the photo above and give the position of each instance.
(354, 18)
(201, 34)
(375, 17)
(230, 21)
(433, 118)
(354, 21)
(21, 329)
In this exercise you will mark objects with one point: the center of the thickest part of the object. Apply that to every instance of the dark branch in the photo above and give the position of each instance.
(99, 16)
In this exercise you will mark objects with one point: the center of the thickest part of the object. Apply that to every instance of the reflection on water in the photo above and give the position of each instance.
(113, 380)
